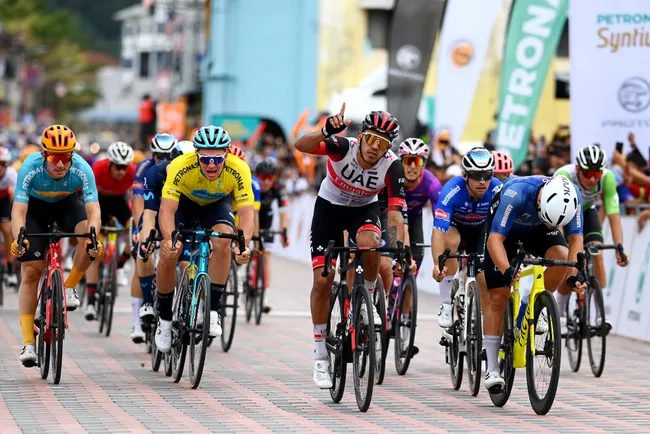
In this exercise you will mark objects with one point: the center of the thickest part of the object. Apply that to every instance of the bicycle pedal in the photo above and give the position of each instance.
(444, 342)
(483, 355)
(415, 351)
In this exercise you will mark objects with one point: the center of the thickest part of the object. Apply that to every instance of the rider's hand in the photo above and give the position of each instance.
(285, 242)
(135, 239)
(576, 283)
(144, 252)
(509, 276)
(168, 251)
(95, 253)
(622, 261)
(242, 257)
(258, 252)
(414, 266)
(335, 124)
(19, 252)
(397, 270)
(438, 275)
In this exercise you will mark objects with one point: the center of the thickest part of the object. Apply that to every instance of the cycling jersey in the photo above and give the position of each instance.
(109, 186)
(347, 184)
(138, 178)
(153, 180)
(428, 189)
(456, 206)
(257, 196)
(605, 189)
(8, 182)
(184, 177)
(276, 192)
(517, 209)
(34, 181)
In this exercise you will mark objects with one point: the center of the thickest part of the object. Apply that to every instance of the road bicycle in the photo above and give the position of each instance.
(194, 287)
(229, 306)
(465, 336)
(585, 316)
(107, 284)
(520, 346)
(53, 318)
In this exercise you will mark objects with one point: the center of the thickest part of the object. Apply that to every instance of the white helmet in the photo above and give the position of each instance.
(120, 153)
(163, 143)
(183, 147)
(559, 201)
(413, 146)
(478, 159)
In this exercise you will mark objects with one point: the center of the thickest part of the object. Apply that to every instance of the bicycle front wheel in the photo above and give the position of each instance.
(335, 341)
(546, 362)
(575, 324)
(44, 346)
(455, 355)
(260, 288)
(405, 326)
(363, 348)
(199, 336)
(180, 325)
(506, 357)
(248, 289)
(229, 303)
(596, 326)
(474, 339)
(110, 295)
(381, 334)
(58, 325)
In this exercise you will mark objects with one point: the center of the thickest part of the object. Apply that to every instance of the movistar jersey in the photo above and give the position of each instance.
(138, 179)
(605, 189)
(153, 181)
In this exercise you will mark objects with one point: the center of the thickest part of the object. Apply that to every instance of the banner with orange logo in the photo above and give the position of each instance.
(171, 118)
(464, 42)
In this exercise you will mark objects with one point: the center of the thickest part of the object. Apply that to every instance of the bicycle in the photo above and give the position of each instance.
(579, 311)
(51, 295)
(350, 338)
(517, 348)
(107, 284)
(193, 288)
(229, 306)
(465, 336)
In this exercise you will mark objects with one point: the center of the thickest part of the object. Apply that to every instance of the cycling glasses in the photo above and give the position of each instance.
(266, 177)
(59, 158)
(214, 159)
(121, 167)
(592, 173)
(410, 159)
(381, 142)
(484, 175)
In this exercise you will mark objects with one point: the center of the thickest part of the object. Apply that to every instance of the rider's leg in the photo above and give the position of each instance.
(219, 268)
(452, 241)
(27, 298)
(5, 227)
(145, 273)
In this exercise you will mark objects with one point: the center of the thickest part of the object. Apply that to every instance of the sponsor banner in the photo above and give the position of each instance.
(171, 118)
(239, 127)
(464, 41)
(610, 83)
(533, 34)
(414, 28)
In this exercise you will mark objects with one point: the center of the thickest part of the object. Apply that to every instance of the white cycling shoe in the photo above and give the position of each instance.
(137, 335)
(322, 375)
(494, 381)
(71, 299)
(28, 356)
(444, 315)
(215, 323)
(376, 319)
(164, 336)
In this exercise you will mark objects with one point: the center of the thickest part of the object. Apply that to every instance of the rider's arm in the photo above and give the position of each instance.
(18, 217)
(443, 212)
(94, 215)
(310, 142)
(576, 245)
(246, 221)
(612, 207)
(281, 196)
(498, 251)
(21, 199)
(573, 232)
(508, 207)
(437, 244)
(148, 222)
(168, 208)
(394, 181)
(139, 186)
(245, 200)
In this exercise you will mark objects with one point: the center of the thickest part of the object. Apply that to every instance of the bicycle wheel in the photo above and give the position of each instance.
(167, 358)
(43, 346)
(596, 327)
(180, 326)
(575, 318)
(199, 337)
(58, 325)
(381, 332)
(111, 295)
(506, 358)
(229, 304)
(548, 353)
(405, 326)
(364, 355)
(156, 356)
(474, 339)
(454, 353)
(260, 288)
(335, 341)
(248, 289)
(82, 290)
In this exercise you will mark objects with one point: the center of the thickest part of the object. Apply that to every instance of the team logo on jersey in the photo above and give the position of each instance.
(510, 193)
(369, 181)
(440, 214)
(504, 220)
(451, 194)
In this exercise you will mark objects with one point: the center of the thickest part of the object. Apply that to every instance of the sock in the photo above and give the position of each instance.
(562, 300)
(445, 289)
(492, 344)
(216, 291)
(92, 289)
(320, 350)
(370, 285)
(27, 326)
(73, 278)
(136, 304)
(165, 306)
(125, 256)
(10, 268)
(146, 283)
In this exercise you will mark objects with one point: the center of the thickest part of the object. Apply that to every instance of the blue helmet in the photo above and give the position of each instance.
(211, 137)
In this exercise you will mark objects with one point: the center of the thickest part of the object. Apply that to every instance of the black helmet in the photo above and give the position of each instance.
(266, 167)
(591, 158)
(382, 122)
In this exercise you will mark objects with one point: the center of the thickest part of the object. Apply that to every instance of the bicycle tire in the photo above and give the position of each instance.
(167, 360)
(248, 290)
(506, 368)
(575, 322)
(403, 357)
(455, 355)
(335, 340)
(43, 347)
(229, 309)
(110, 297)
(365, 349)
(260, 288)
(381, 332)
(202, 286)
(58, 330)
(598, 331)
(83, 289)
(180, 326)
(474, 340)
(99, 299)
(542, 406)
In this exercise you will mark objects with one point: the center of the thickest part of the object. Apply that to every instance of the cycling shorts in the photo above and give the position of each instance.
(5, 209)
(114, 206)
(592, 229)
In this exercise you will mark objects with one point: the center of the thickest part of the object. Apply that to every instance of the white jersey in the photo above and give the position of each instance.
(8, 181)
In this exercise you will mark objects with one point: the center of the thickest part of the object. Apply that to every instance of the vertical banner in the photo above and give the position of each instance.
(413, 33)
(171, 118)
(533, 34)
(464, 42)
(609, 43)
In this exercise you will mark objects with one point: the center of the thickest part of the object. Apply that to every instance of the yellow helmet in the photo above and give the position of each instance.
(138, 156)
(28, 150)
(58, 139)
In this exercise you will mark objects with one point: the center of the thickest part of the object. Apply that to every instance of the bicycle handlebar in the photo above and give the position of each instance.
(56, 236)
(447, 255)
(521, 259)
(152, 238)
(402, 253)
(180, 230)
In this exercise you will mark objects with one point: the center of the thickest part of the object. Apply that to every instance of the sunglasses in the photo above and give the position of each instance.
(267, 177)
(443, 142)
(373, 139)
(214, 159)
(480, 176)
(121, 167)
(593, 173)
(410, 159)
(59, 158)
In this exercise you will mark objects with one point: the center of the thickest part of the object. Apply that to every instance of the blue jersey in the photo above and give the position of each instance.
(153, 181)
(455, 204)
(34, 181)
(257, 190)
(517, 211)
(138, 179)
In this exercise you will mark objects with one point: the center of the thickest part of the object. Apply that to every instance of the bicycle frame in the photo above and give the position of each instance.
(527, 326)
(53, 264)
(198, 266)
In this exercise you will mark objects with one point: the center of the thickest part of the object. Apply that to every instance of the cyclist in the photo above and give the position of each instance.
(528, 209)
(8, 177)
(503, 165)
(459, 219)
(198, 188)
(271, 190)
(114, 176)
(357, 169)
(46, 191)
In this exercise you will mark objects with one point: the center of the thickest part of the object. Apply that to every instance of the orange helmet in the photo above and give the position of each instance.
(503, 163)
(58, 139)
(237, 152)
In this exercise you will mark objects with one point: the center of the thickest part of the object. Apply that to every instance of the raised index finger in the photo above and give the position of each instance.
(342, 112)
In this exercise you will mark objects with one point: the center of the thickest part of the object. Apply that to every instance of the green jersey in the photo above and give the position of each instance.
(605, 189)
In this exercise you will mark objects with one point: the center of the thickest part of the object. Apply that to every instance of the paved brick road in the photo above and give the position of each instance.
(264, 384)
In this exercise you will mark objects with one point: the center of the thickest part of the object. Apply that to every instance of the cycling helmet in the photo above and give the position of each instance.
(382, 122)
(182, 147)
(413, 146)
(559, 201)
(591, 158)
(237, 152)
(266, 167)
(163, 143)
(58, 139)
(478, 160)
(211, 137)
(120, 153)
(5, 155)
(503, 164)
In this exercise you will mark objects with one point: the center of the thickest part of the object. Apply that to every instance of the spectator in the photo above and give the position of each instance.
(147, 119)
